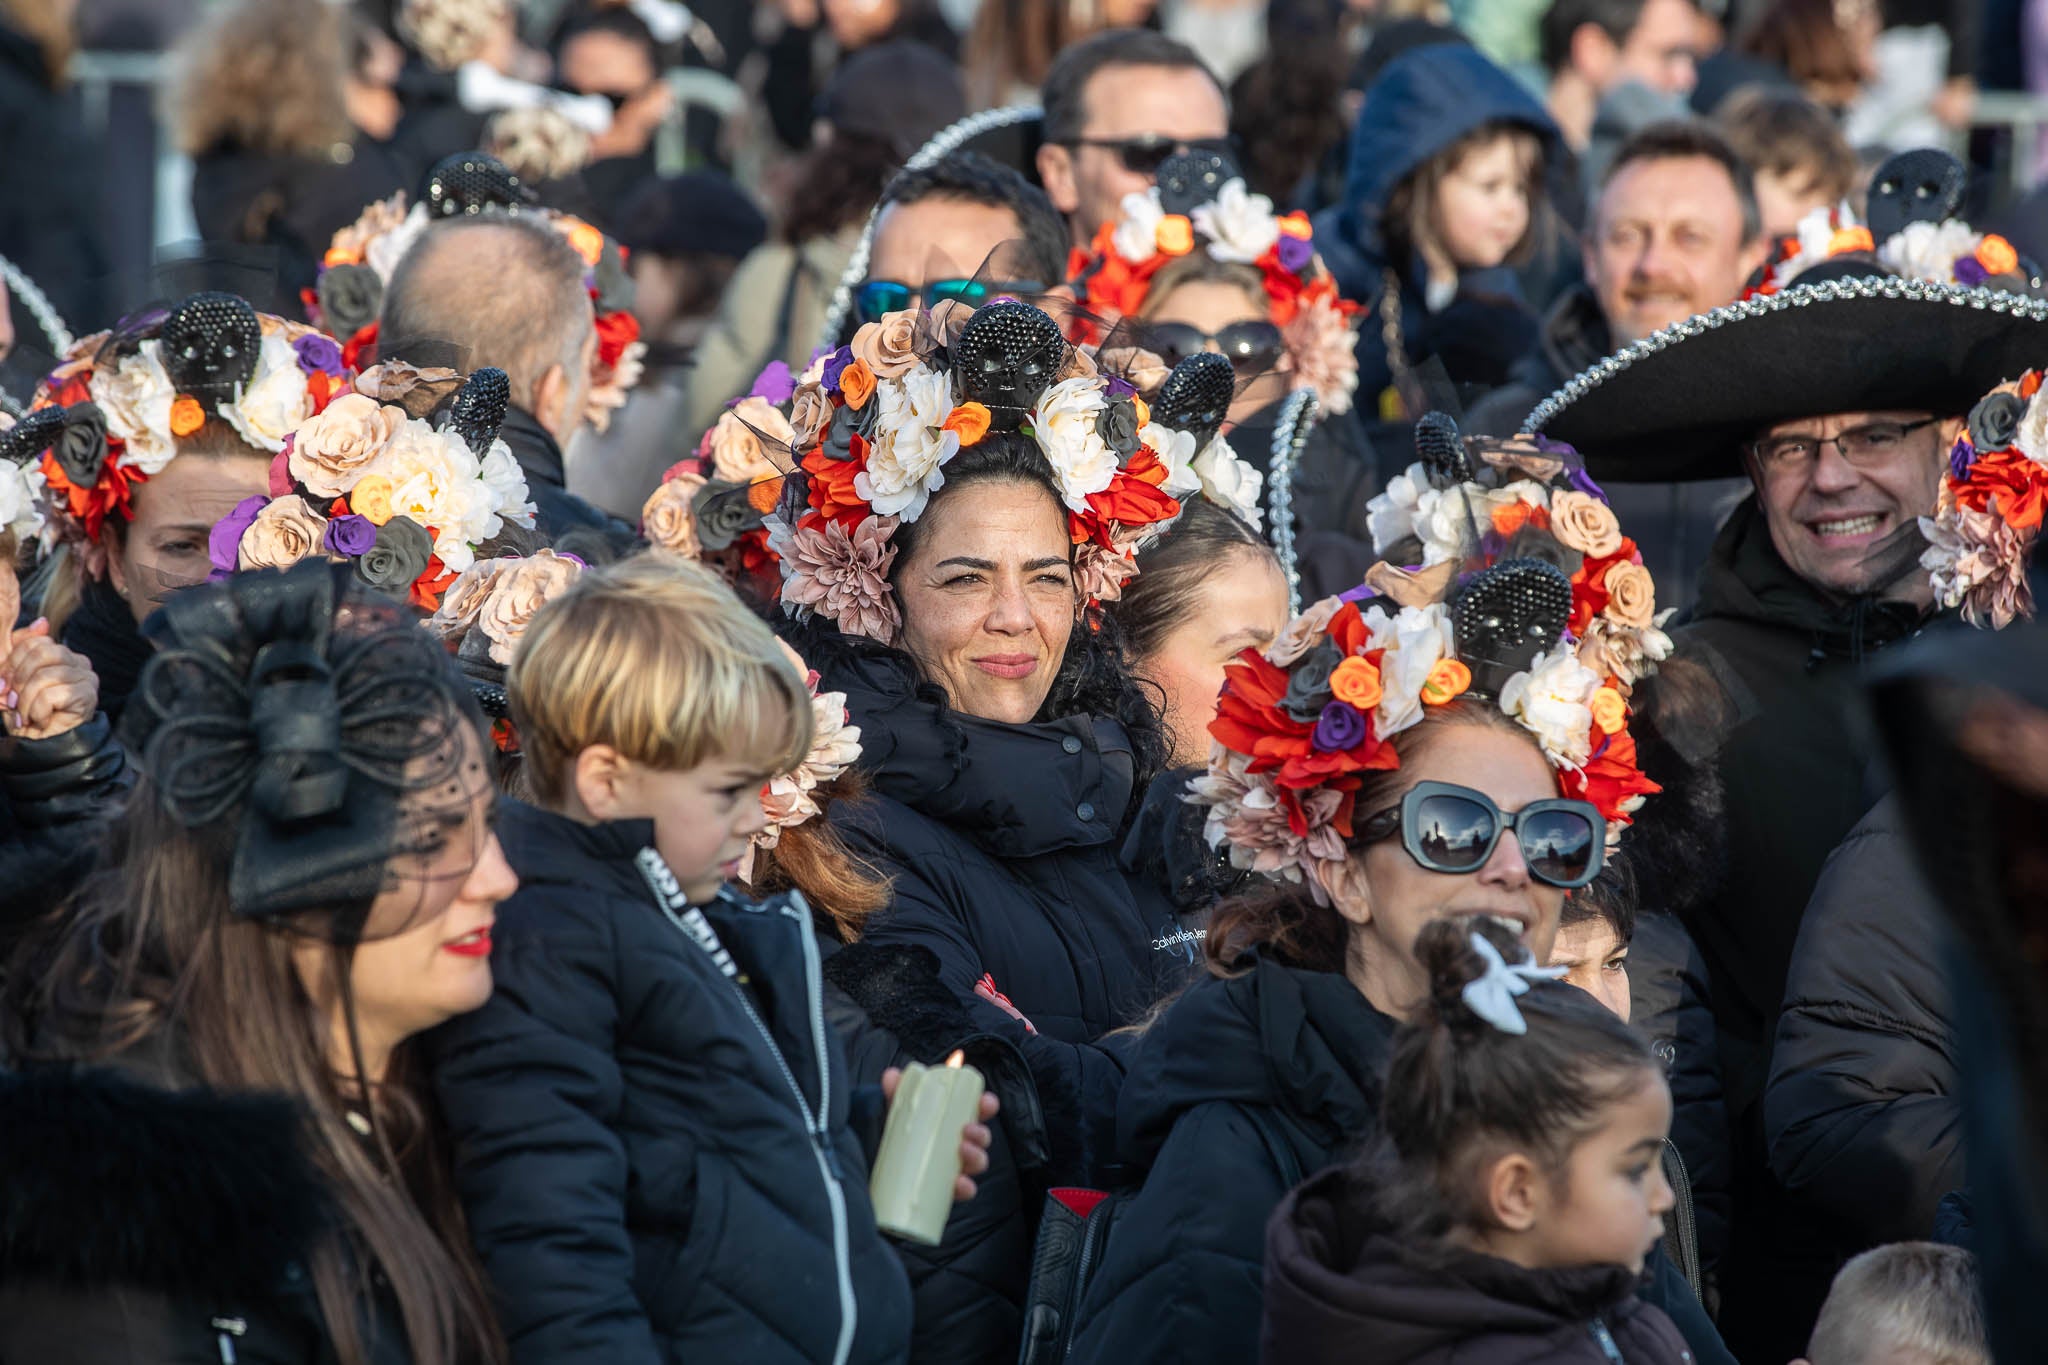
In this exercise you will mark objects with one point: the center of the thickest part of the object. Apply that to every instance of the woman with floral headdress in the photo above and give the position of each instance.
(214, 1143)
(1451, 739)
(1200, 263)
(147, 436)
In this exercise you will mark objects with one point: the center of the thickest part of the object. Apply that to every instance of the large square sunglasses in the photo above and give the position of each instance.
(1453, 829)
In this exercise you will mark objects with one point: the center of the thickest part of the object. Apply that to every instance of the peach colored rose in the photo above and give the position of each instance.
(667, 520)
(520, 589)
(284, 533)
(741, 441)
(1144, 370)
(1080, 365)
(1446, 682)
(888, 346)
(810, 412)
(464, 599)
(1303, 632)
(330, 452)
(1631, 596)
(1584, 523)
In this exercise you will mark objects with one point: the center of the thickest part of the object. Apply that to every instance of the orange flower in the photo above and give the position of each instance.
(857, 384)
(1446, 682)
(1850, 239)
(1996, 255)
(371, 498)
(764, 493)
(1175, 235)
(1610, 712)
(186, 415)
(588, 241)
(830, 488)
(1143, 409)
(1356, 681)
(2030, 384)
(970, 421)
(342, 255)
(1512, 517)
(1295, 225)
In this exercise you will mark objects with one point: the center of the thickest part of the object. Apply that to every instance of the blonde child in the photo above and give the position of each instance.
(1910, 1303)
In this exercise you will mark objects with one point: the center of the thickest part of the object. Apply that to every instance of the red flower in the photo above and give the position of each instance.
(2014, 482)
(320, 387)
(1589, 585)
(1609, 777)
(615, 331)
(1249, 720)
(432, 582)
(359, 352)
(830, 487)
(1113, 286)
(1132, 498)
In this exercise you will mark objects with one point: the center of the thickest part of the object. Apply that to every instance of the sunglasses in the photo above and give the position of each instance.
(1251, 347)
(1145, 155)
(1454, 829)
(877, 297)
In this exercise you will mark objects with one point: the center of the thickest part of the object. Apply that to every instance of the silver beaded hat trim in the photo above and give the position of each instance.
(1798, 296)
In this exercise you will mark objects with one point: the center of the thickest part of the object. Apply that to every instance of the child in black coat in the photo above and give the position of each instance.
(1522, 1191)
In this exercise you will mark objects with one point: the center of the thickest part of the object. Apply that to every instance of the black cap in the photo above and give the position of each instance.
(899, 93)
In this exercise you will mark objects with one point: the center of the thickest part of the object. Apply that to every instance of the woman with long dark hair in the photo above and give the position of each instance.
(214, 1143)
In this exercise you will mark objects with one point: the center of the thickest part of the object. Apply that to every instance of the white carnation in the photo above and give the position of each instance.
(1137, 234)
(906, 458)
(1928, 251)
(1229, 481)
(437, 483)
(136, 395)
(1553, 701)
(510, 497)
(385, 252)
(274, 403)
(1240, 225)
(1063, 423)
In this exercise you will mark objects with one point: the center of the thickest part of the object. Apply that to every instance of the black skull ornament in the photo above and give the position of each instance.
(1008, 355)
(1925, 185)
(1506, 616)
(1191, 179)
(209, 344)
(1196, 396)
(467, 183)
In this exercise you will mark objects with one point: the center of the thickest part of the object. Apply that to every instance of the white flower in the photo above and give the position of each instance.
(2032, 438)
(510, 497)
(1176, 452)
(1928, 251)
(437, 482)
(1553, 700)
(1414, 639)
(385, 252)
(1390, 516)
(21, 500)
(136, 396)
(1063, 423)
(274, 403)
(906, 458)
(1240, 225)
(1137, 235)
(1230, 482)
(1814, 232)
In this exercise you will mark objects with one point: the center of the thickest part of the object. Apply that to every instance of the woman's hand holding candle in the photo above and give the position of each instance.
(974, 1137)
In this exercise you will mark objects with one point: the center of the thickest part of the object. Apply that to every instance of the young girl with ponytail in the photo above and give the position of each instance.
(1515, 1198)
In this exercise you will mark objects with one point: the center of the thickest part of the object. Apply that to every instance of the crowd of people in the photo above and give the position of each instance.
(1401, 636)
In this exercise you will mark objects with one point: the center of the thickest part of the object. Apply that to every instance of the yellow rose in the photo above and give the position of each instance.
(371, 499)
(1610, 712)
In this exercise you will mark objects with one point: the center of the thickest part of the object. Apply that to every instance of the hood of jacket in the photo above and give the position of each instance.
(1422, 103)
(1016, 790)
(1335, 1276)
(1745, 579)
(1304, 1042)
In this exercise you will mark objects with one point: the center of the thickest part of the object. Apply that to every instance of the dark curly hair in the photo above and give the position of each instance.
(1094, 677)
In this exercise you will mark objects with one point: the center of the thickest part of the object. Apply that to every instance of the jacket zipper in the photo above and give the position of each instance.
(814, 1124)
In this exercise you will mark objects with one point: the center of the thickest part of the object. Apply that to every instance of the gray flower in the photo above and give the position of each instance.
(723, 514)
(1308, 686)
(1995, 421)
(1118, 428)
(399, 556)
(350, 296)
(81, 449)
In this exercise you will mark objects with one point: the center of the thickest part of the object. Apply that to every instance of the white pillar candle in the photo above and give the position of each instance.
(912, 1184)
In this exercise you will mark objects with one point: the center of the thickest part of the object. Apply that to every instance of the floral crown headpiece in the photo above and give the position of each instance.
(111, 414)
(483, 616)
(1521, 590)
(1200, 203)
(366, 482)
(360, 259)
(873, 425)
(1988, 514)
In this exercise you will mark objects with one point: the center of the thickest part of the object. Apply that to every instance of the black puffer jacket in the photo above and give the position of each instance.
(1341, 1288)
(655, 1158)
(1180, 1274)
(1002, 842)
(55, 795)
(141, 1225)
(560, 511)
(1864, 1111)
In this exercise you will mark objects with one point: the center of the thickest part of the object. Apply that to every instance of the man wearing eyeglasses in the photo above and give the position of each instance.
(1116, 107)
(963, 230)
(1838, 397)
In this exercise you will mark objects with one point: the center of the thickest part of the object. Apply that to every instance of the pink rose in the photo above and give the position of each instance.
(741, 442)
(890, 346)
(330, 451)
(667, 519)
(1584, 523)
(282, 534)
(520, 589)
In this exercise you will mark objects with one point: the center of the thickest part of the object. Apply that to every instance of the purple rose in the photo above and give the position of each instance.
(1969, 273)
(1296, 253)
(836, 366)
(350, 535)
(1961, 456)
(775, 383)
(319, 354)
(1340, 727)
(1121, 388)
(224, 541)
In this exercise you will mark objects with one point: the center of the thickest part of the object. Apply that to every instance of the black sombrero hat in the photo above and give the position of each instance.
(1680, 403)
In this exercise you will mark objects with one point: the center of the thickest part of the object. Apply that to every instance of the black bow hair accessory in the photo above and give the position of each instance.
(304, 709)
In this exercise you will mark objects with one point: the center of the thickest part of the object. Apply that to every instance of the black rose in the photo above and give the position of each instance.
(839, 433)
(1995, 421)
(723, 514)
(1118, 428)
(350, 296)
(81, 448)
(399, 556)
(1308, 686)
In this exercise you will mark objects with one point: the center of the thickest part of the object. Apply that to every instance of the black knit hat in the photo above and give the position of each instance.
(700, 211)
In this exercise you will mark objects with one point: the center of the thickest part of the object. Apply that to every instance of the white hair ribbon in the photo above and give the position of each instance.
(1492, 996)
